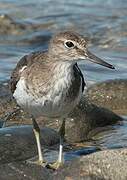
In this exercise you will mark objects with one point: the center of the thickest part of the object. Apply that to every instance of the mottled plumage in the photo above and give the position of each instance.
(50, 83)
(24, 61)
(55, 90)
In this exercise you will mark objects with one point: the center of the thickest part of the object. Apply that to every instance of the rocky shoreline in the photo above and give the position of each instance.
(84, 118)
(91, 115)
(110, 94)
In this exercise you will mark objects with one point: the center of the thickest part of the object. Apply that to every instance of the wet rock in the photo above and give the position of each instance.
(18, 142)
(109, 164)
(7, 103)
(24, 170)
(109, 94)
(10, 26)
(85, 117)
(21, 170)
(72, 154)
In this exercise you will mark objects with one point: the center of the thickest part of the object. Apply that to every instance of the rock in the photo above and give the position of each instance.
(6, 101)
(84, 118)
(23, 171)
(10, 26)
(18, 142)
(104, 165)
(110, 94)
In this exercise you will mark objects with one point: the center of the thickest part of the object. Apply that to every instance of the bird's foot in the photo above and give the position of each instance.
(38, 162)
(55, 165)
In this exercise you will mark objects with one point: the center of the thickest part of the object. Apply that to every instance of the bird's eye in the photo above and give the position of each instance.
(69, 44)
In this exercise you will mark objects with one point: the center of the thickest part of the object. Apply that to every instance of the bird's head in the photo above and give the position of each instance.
(70, 46)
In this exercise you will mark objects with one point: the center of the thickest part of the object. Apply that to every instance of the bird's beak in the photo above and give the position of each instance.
(95, 59)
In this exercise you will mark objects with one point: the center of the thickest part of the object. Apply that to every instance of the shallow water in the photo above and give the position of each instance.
(104, 23)
(29, 25)
(115, 137)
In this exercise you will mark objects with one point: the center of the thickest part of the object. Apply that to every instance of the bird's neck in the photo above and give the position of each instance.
(63, 67)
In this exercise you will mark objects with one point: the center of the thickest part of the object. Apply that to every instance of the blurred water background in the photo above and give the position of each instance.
(27, 26)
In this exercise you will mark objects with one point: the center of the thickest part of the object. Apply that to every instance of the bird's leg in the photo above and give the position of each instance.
(36, 131)
(62, 134)
(60, 160)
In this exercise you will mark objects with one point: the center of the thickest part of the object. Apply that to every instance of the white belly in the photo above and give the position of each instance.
(49, 105)
(55, 103)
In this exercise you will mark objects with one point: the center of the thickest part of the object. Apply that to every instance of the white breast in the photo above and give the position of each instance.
(54, 104)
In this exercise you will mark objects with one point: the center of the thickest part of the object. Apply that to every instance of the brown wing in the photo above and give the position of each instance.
(15, 76)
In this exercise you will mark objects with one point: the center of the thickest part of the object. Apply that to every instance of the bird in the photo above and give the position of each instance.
(50, 83)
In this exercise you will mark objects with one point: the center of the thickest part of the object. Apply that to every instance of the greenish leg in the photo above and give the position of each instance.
(36, 131)
(62, 134)
(60, 160)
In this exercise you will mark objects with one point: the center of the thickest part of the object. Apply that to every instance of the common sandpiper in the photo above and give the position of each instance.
(51, 84)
